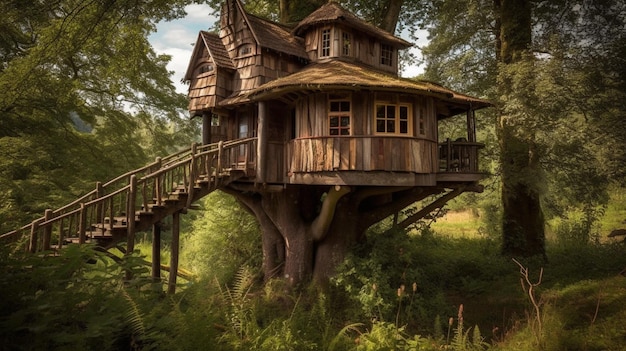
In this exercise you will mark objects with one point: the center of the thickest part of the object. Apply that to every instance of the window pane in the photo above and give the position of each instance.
(380, 126)
(334, 122)
(380, 111)
(345, 106)
(345, 121)
(345, 131)
(334, 132)
(334, 106)
(404, 127)
(404, 112)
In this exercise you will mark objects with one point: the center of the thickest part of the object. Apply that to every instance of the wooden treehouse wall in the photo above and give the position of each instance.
(364, 48)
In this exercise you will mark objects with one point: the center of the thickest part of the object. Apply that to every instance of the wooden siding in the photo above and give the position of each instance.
(365, 48)
(389, 154)
(207, 89)
(312, 114)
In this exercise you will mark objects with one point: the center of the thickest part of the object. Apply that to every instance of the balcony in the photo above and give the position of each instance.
(458, 161)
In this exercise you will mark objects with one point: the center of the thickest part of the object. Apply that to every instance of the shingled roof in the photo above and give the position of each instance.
(339, 74)
(332, 12)
(274, 36)
(216, 49)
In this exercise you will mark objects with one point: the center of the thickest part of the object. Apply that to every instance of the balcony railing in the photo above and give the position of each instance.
(459, 156)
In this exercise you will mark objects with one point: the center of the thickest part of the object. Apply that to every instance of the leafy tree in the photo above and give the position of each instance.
(552, 69)
(85, 98)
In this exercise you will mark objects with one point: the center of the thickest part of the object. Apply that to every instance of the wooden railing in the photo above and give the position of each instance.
(459, 156)
(362, 153)
(138, 190)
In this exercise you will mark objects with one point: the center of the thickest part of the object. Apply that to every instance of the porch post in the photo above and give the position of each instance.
(471, 125)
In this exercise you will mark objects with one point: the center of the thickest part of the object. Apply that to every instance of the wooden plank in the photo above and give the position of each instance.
(329, 157)
(344, 162)
(336, 153)
(367, 154)
(353, 153)
(358, 153)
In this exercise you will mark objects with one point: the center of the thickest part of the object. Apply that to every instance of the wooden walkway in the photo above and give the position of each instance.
(138, 201)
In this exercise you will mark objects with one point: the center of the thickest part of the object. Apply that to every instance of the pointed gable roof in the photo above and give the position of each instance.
(332, 12)
(274, 36)
(268, 34)
(213, 44)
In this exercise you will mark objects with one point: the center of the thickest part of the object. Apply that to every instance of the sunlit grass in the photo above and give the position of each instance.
(458, 224)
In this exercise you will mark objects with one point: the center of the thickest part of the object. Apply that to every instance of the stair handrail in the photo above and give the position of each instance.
(168, 163)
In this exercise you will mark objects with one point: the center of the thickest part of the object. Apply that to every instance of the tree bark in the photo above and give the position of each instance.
(308, 230)
(522, 215)
(392, 13)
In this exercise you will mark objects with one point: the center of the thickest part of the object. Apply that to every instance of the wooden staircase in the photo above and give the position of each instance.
(135, 201)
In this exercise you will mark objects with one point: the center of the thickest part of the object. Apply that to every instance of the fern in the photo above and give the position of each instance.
(134, 317)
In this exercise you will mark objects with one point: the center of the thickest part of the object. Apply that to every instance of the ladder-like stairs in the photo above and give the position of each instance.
(136, 201)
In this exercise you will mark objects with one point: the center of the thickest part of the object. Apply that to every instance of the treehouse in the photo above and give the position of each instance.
(324, 104)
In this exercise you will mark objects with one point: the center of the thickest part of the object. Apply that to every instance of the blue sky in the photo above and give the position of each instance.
(176, 38)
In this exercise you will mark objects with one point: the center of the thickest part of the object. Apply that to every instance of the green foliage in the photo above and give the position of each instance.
(223, 239)
(74, 300)
(85, 98)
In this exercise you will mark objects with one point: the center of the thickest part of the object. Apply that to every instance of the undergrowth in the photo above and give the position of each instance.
(395, 292)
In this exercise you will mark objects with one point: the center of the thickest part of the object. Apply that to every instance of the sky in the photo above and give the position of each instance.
(176, 38)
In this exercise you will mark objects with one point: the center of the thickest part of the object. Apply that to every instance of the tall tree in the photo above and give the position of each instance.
(85, 98)
(552, 68)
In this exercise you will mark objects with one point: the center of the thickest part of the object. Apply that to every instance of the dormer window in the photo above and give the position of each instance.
(245, 50)
(386, 55)
(346, 44)
(325, 41)
(206, 68)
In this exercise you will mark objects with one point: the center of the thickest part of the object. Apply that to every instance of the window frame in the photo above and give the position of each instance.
(386, 54)
(396, 119)
(346, 43)
(326, 42)
(341, 98)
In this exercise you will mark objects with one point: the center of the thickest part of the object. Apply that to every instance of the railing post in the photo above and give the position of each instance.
(157, 185)
(448, 155)
(34, 228)
(218, 167)
(192, 175)
(82, 224)
(130, 214)
(47, 230)
(99, 194)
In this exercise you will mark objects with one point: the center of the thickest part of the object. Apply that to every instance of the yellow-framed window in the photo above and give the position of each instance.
(339, 115)
(393, 118)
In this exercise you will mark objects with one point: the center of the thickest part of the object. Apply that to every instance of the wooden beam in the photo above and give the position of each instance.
(171, 284)
(440, 202)
(261, 150)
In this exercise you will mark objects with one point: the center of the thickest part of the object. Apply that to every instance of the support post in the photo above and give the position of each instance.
(471, 126)
(99, 194)
(34, 229)
(171, 284)
(130, 214)
(261, 150)
(82, 225)
(206, 128)
(47, 230)
(156, 252)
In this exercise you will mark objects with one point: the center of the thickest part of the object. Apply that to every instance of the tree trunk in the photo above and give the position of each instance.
(523, 221)
(392, 13)
(308, 230)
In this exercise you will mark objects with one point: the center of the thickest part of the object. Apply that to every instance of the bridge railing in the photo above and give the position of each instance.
(133, 191)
